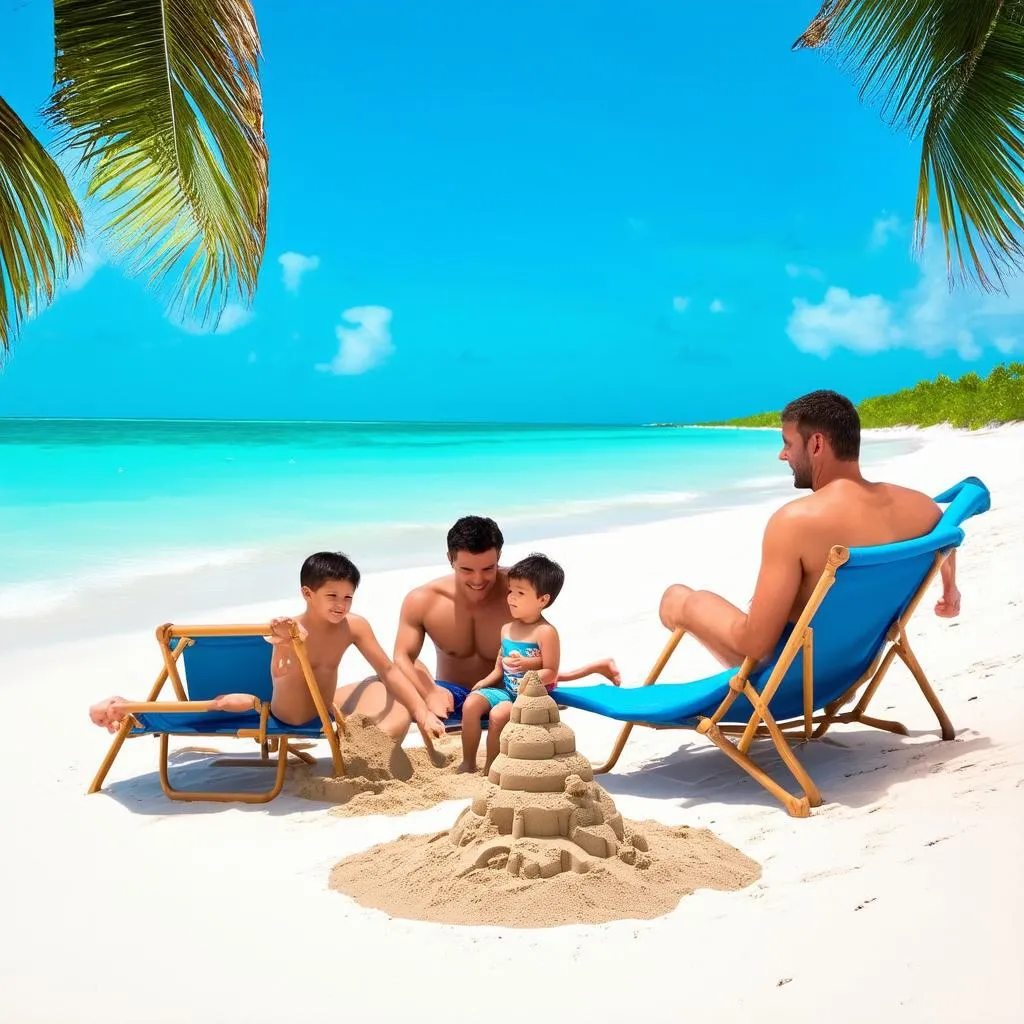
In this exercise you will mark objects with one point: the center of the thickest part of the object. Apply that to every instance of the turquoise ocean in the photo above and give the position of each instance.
(101, 517)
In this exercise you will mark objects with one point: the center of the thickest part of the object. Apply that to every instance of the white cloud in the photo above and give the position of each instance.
(927, 317)
(233, 317)
(717, 306)
(294, 266)
(841, 320)
(679, 303)
(885, 228)
(363, 346)
(796, 270)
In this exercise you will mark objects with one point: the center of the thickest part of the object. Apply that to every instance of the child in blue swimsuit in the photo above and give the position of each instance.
(528, 643)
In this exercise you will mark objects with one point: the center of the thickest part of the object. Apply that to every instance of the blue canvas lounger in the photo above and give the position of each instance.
(852, 628)
(219, 660)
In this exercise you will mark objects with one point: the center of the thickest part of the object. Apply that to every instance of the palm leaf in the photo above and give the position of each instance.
(162, 100)
(40, 225)
(951, 72)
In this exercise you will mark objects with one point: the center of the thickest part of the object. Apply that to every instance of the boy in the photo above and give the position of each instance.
(528, 643)
(328, 583)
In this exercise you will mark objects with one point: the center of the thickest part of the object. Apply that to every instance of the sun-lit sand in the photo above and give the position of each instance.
(899, 899)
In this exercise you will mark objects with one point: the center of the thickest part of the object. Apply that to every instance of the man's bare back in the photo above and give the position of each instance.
(853, 514)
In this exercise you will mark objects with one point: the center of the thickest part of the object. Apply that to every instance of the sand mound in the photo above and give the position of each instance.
(382, 777)
(541, 844)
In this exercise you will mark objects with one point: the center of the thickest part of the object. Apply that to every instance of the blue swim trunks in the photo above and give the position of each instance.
(494, 695)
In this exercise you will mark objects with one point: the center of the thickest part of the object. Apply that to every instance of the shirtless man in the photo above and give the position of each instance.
(821, 443)
(328, 628)
(462, 614)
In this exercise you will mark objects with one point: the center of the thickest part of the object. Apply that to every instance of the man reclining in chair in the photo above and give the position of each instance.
(328, 628)
(821, 443)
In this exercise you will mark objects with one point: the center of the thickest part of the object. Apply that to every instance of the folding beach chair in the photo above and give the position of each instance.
(219, 660)
(845, 639)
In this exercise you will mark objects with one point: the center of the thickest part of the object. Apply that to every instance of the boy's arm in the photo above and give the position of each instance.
(409, 641)
(393, 678)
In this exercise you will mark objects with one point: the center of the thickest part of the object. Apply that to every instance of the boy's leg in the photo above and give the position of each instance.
(605, 667)
(496, 721)
(473, 711)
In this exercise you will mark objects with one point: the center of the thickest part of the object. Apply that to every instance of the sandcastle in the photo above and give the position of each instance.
(540, 812)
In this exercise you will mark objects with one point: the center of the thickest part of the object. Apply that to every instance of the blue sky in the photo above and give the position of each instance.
(573, 211)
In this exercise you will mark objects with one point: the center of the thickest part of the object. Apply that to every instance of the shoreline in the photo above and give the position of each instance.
(204, 589)
(913, 846)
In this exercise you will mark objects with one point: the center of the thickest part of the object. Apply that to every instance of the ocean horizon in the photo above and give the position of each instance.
(126, 516)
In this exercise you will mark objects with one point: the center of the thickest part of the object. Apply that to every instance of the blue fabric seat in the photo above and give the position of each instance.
(856, 628)
(220, 660)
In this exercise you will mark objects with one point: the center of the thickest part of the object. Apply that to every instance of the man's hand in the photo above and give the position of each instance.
(440, 702)
(948, 606)
(430, 727)
(281, 629)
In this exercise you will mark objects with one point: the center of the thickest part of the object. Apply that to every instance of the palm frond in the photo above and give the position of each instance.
(40, 225)
(162, 100)
(952, 73)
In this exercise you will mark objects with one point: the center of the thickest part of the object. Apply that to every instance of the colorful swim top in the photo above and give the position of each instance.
(526, 648)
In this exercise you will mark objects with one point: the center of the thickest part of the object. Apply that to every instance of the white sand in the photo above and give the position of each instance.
(899, 899)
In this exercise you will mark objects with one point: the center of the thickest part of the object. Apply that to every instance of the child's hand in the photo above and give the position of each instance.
(281, 629)
(482, 685)
(512, 661)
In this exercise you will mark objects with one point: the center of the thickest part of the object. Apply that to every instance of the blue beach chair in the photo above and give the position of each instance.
(219, 660)
(852, 628)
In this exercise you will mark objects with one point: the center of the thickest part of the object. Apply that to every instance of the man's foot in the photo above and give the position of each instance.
(466, 767)
(948, 606)
(609, 670)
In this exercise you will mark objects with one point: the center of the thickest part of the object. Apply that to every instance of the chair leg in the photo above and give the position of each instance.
(219, 797)
(910, 660)
(115, 749)
(797, 807)
(613, 757)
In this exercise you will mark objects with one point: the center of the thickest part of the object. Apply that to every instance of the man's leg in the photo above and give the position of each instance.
(707, 617)
(371, 698)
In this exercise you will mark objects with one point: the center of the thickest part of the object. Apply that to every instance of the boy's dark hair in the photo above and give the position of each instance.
(475, 534)
(324, 566)
(544, 575)
(831, 414)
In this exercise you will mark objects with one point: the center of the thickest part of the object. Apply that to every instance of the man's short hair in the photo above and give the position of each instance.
(475, 534)
(326, 566)
(543, 574)
(831, 414)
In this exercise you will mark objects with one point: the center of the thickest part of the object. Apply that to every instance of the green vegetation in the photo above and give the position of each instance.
(946, 72)
(157, 114)
(970, 401)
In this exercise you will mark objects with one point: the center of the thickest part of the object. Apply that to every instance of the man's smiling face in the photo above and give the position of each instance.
(475, 574)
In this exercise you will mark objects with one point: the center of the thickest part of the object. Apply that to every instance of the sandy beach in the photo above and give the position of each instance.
(898, 899)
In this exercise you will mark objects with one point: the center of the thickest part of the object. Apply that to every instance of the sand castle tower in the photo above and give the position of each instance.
(540, 812)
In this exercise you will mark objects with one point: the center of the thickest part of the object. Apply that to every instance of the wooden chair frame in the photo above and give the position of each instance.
(808, 726)
(276, 743)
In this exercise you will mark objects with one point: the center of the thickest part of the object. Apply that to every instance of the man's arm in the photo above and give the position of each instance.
(392, 677)
(948, 606)
(756, 633)
(409, 640)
